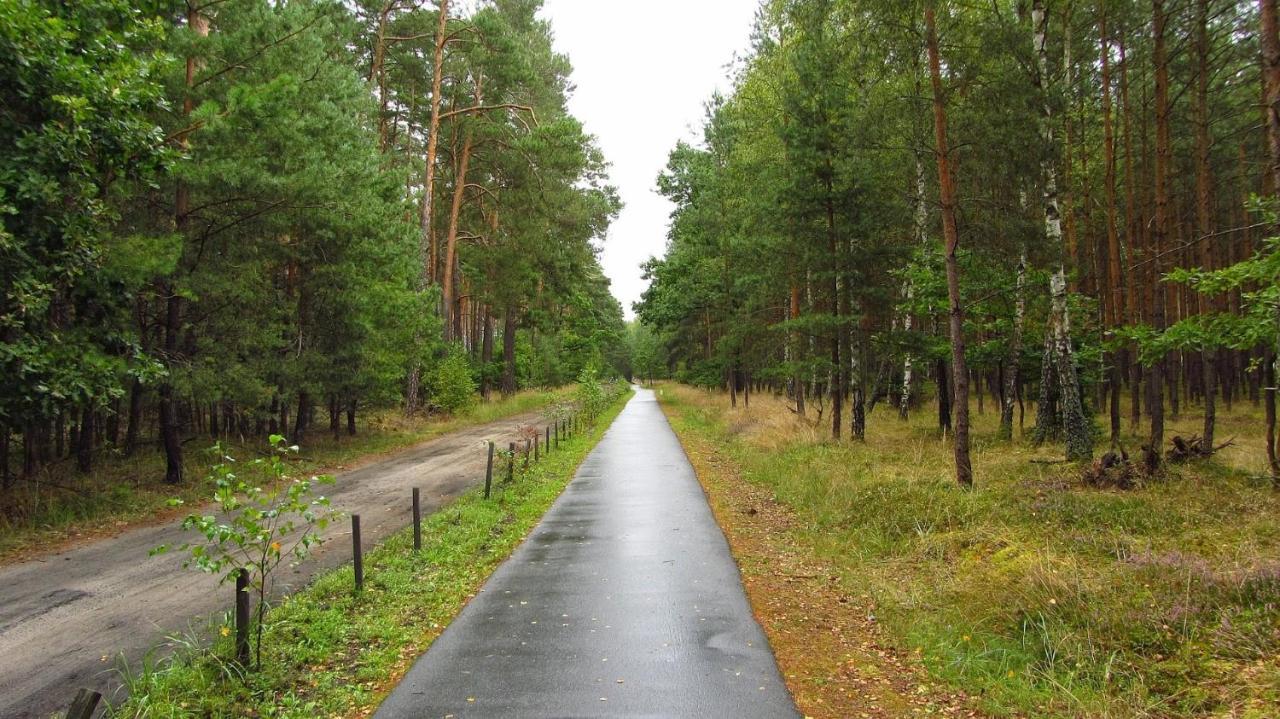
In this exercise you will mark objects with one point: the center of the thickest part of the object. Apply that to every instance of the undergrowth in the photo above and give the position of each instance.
(1035, 593)
(59, 505)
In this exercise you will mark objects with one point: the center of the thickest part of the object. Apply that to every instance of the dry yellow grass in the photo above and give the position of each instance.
(1033, 592)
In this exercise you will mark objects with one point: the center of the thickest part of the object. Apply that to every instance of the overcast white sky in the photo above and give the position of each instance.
(643, 69)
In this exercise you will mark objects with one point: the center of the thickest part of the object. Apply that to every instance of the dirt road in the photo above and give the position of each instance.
(66, 618)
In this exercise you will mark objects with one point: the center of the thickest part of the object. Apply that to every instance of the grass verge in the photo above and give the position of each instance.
(328, 652)
(1032, 594)
(58, 507)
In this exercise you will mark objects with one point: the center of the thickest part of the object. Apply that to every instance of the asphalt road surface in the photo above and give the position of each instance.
(624, 601)
(66, 618)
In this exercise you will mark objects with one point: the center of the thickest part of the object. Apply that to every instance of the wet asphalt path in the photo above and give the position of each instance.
(623, 602)
(65, 618)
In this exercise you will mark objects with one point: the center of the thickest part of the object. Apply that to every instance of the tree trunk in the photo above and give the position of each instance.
(1013, 362)
(1113, 298)
(427, 240)
(84, 442)
(302, 414)
(964, 468)
(1155, 383)
(173, 306)
(335, 421)
(1271, 76)
(944, 397)
(1058, 350)
(797, 378)
(921, 223)
(6, 474)
(135, 418)
(1208, 356)
(451, 239)
(509, 351)
(284, 413)
(1132, 304)
(168, 406)
(486, 354)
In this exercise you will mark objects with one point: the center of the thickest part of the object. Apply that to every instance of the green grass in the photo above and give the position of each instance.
(329, 652)
(58, 504)
(1033, 593)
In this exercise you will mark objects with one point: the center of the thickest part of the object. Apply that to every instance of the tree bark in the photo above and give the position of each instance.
(1271, 77)
(135, 418)
(169, 428)
(84, 442)
(509, 351)
(964, 468)
(427, 240)
(1204, 222)
(1113, 298)
(486, 354)
(1058, 350)
(301, 415)
(1013, 362)
(921, 223)
(1160, 229)
(1133, 313)
(451, 239)
(836, 386)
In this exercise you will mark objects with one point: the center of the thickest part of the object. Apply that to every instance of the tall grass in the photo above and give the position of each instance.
(1032, 591)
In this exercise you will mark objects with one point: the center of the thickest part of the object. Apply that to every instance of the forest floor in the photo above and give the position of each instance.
(887, 591)
(59, 508)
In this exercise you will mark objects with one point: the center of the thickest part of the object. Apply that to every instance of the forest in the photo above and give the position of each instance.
(1065, 209)
(954, 388)
(235, 218)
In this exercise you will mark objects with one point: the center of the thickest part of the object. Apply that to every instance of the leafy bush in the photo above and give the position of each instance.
(452, 387)
(591, 394)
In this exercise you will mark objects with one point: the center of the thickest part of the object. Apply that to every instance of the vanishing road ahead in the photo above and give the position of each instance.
(65, 617)
(624, 601)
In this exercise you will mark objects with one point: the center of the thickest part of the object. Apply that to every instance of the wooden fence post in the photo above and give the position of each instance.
(526, 454)
(242, 616)
(488, 473)
(355, 547)
(535, 449)
(417, 520)
(548, 443)
(511, 462)
(83, 705)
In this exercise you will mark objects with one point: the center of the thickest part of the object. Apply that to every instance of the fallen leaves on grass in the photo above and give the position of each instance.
(826, 639)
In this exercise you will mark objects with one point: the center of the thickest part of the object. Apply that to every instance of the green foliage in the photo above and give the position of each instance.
(247, 239)
(78, 89)
(453, 389)
(591, 395)
(258, 524)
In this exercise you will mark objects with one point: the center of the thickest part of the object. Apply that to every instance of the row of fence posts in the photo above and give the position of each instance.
(86, 700)
(552, 433)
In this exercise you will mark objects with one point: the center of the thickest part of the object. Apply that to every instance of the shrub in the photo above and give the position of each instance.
(452, 387)
(591, 394)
